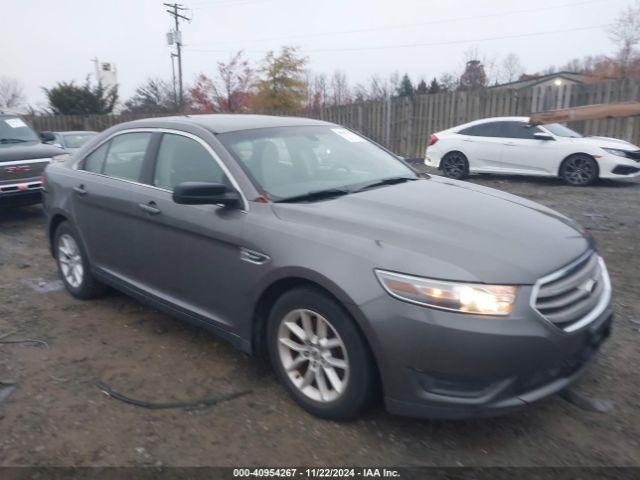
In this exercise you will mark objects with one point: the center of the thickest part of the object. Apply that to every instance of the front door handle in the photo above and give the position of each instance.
(150, 208)
(510, 144)
(80, 190)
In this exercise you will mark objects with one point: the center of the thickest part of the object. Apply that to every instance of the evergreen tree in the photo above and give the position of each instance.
(405, 89)
(422, 88)
(434, 86)
(67, 98)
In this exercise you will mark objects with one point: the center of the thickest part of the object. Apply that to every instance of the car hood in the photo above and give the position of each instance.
(605, 142)
(16, 151)
(445, 229)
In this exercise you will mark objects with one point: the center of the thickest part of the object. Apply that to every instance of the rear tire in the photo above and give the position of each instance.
(73, 264)
(579, 170)
(455, 165)
(319, 355)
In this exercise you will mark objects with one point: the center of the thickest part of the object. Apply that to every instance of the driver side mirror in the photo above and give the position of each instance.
(542, 136)
(205, 193)
(47, 137)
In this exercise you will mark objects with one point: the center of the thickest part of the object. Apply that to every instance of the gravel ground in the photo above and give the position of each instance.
(58, 416)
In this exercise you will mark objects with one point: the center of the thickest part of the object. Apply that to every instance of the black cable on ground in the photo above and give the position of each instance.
(205, 402)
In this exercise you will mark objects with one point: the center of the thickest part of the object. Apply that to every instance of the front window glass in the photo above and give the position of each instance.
(518, 130)
(94, 161)
(291, 161)
(14, 130)
(182, 159)
(125, 156)
(76, 140)
(562, 131)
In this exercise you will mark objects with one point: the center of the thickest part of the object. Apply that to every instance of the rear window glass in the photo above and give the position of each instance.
(491, 129)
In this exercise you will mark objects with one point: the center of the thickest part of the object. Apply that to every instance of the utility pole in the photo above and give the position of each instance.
(175, 9)
(173, 77)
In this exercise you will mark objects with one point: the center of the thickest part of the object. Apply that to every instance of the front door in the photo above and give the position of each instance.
(188, 254)
(523, 153)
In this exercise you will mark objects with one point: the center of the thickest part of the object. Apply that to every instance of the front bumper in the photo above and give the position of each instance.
(613, 166)
(440, 364)
(27, 194)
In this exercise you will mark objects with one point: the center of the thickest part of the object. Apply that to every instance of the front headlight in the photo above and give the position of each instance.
(616, 151)
(475, 298)
(63, 157)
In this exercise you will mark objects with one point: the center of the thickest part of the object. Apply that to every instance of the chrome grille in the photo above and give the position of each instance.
(574, 296)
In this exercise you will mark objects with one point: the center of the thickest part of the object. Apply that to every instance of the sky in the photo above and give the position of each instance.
(43, 42)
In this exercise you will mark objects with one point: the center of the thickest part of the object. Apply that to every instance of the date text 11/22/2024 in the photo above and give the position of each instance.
(315, 472)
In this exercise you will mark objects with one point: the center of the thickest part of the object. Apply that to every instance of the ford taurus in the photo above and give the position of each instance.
(353, 273)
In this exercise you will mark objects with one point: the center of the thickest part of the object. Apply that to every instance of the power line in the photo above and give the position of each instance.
(175, 9)
(412, 25)
(431, 44)
(202, 5)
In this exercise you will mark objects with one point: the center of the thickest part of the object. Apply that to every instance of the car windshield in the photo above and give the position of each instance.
(14, 130)
(290, 162)
(76, 140)
(562, 131)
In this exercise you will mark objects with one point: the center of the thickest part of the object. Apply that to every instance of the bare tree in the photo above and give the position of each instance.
(510, 68)
(381, 88)
(449, 82)
(360, 93)
(236, 78)
(340, 92)
(318, 90)
(489, 64)
(11, 93)
(625, 32)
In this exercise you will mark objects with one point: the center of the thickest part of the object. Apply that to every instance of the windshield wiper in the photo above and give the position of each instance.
(386, 181)
(12, 140)
(316, 195)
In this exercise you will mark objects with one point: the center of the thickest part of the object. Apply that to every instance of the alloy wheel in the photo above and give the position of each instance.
(454, 165)
(313, 355)
(70, 260)
(579, 170)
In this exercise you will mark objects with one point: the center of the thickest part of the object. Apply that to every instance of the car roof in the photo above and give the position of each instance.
(498, 119)
(75, 132)
(222, 123)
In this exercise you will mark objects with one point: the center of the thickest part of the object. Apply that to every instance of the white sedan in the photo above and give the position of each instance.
(509, 145)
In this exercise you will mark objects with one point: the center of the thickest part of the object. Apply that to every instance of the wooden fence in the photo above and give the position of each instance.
(404, 124)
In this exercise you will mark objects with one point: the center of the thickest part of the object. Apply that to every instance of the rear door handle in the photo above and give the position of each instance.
(80, 190)
(509, 144)
(150, 208)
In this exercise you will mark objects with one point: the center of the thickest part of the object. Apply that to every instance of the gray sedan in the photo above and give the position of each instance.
(304, 241)
(72, 141)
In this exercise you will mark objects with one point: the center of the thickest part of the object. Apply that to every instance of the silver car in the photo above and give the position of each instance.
(72, 141)
(302, 240)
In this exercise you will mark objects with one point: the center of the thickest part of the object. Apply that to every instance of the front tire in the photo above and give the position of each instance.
(455, 165)
(73, 265)
(319, 355)
(579, 170)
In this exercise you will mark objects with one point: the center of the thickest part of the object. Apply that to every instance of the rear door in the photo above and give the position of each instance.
(483, 146)
(103, 201)
(188, 254)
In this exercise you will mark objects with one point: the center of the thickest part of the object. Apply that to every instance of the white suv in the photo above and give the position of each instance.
(509, 145)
